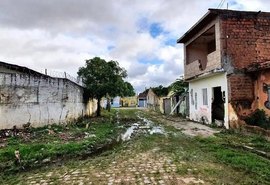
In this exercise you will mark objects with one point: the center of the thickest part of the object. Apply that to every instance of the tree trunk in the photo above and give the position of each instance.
(108, 106)
(98, 107)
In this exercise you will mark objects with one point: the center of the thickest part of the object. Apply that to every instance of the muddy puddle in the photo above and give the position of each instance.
(143, 126)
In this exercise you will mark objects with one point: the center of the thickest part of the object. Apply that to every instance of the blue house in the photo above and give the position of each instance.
(115, 102)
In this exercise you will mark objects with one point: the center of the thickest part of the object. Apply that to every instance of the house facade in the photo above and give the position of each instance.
(227, 65)
(174, 104)
(27, 96)
(131, 101)
(142, 99)
(152, 100)
(114, 102)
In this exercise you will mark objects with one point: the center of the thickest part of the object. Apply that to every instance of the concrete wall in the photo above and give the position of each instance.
(200, 112)
(40, 100)
(152, 100)
(129, 101)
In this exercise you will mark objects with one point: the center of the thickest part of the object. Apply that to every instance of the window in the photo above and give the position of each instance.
(204, 93)
(196, 101)
(191, 96)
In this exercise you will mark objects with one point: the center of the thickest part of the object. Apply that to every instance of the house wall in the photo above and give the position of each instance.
(39, 100)
(245, 39)
(142, 102)
(245, 43)
(114, 103)
(261, 92)
(241, 87)
(129, 101)
(202, 113)
(213, 59)
(152, 100)
(164, 104)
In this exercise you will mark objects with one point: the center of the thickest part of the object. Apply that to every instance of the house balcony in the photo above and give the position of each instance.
(203, 54)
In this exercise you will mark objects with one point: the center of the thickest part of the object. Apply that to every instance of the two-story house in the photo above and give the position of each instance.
(227, 65)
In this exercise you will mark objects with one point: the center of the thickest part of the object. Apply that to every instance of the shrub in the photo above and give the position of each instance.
(259, 118)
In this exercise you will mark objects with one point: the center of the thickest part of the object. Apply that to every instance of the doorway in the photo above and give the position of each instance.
(218, 106)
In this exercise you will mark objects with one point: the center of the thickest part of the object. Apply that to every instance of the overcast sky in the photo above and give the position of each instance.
(141, 35)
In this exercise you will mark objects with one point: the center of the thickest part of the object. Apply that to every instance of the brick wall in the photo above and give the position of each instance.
(241, 87)
(245, 38)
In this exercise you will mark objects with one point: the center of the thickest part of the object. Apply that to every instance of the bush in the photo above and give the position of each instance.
(259, 118)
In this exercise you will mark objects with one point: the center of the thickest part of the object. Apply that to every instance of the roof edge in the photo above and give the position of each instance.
(197, 24)
(210, 15)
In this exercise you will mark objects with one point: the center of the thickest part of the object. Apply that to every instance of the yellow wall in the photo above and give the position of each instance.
(129, 101)
(91, 107)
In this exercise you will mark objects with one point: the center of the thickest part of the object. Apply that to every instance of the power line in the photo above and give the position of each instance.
(221, 4)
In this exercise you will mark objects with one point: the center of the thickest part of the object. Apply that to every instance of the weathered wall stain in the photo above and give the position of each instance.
(40, 100)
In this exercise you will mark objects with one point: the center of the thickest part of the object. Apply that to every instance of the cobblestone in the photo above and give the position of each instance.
(143, 168)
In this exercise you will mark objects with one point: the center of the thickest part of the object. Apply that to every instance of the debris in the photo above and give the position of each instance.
(14, 131)
(156, 130)
(2, 145)
(26, 126)
(88, 135)
(17, 157)
(46, 160)
(51, 132)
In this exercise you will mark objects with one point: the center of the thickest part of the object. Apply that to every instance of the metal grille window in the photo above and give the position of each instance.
(204, 93)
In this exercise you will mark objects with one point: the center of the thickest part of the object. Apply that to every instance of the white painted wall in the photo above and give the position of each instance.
(39, 100)
(196, 86)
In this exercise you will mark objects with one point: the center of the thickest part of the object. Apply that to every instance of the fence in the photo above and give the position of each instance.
(58, 74)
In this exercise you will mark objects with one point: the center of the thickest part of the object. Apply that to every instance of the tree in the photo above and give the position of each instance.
(179, 86)
(102, 79)
(161, 91)
(128, 90)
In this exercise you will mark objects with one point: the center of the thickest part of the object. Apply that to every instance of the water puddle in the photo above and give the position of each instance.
(157, 130)
(144, 126)
(127, 135)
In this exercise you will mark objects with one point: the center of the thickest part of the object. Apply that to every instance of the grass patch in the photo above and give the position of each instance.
(216, 160)
(51, 143)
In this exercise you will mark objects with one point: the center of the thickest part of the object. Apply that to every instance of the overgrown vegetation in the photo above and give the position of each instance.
(259, 118)
(52, 143)
(178, 87)
(220, 159)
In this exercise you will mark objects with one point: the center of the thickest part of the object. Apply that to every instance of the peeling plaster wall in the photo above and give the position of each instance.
(260, 93)
(245, 43)
(200, 112)
(39, 100)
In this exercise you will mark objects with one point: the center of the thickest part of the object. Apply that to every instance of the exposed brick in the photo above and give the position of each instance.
(248, 39)
(241, 87)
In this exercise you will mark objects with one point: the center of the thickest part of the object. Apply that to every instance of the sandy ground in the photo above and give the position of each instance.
(188, 127)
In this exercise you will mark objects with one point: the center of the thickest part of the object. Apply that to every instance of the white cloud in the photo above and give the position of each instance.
(60, 35)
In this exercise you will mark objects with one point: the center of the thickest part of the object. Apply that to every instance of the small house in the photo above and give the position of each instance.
(227, 65)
